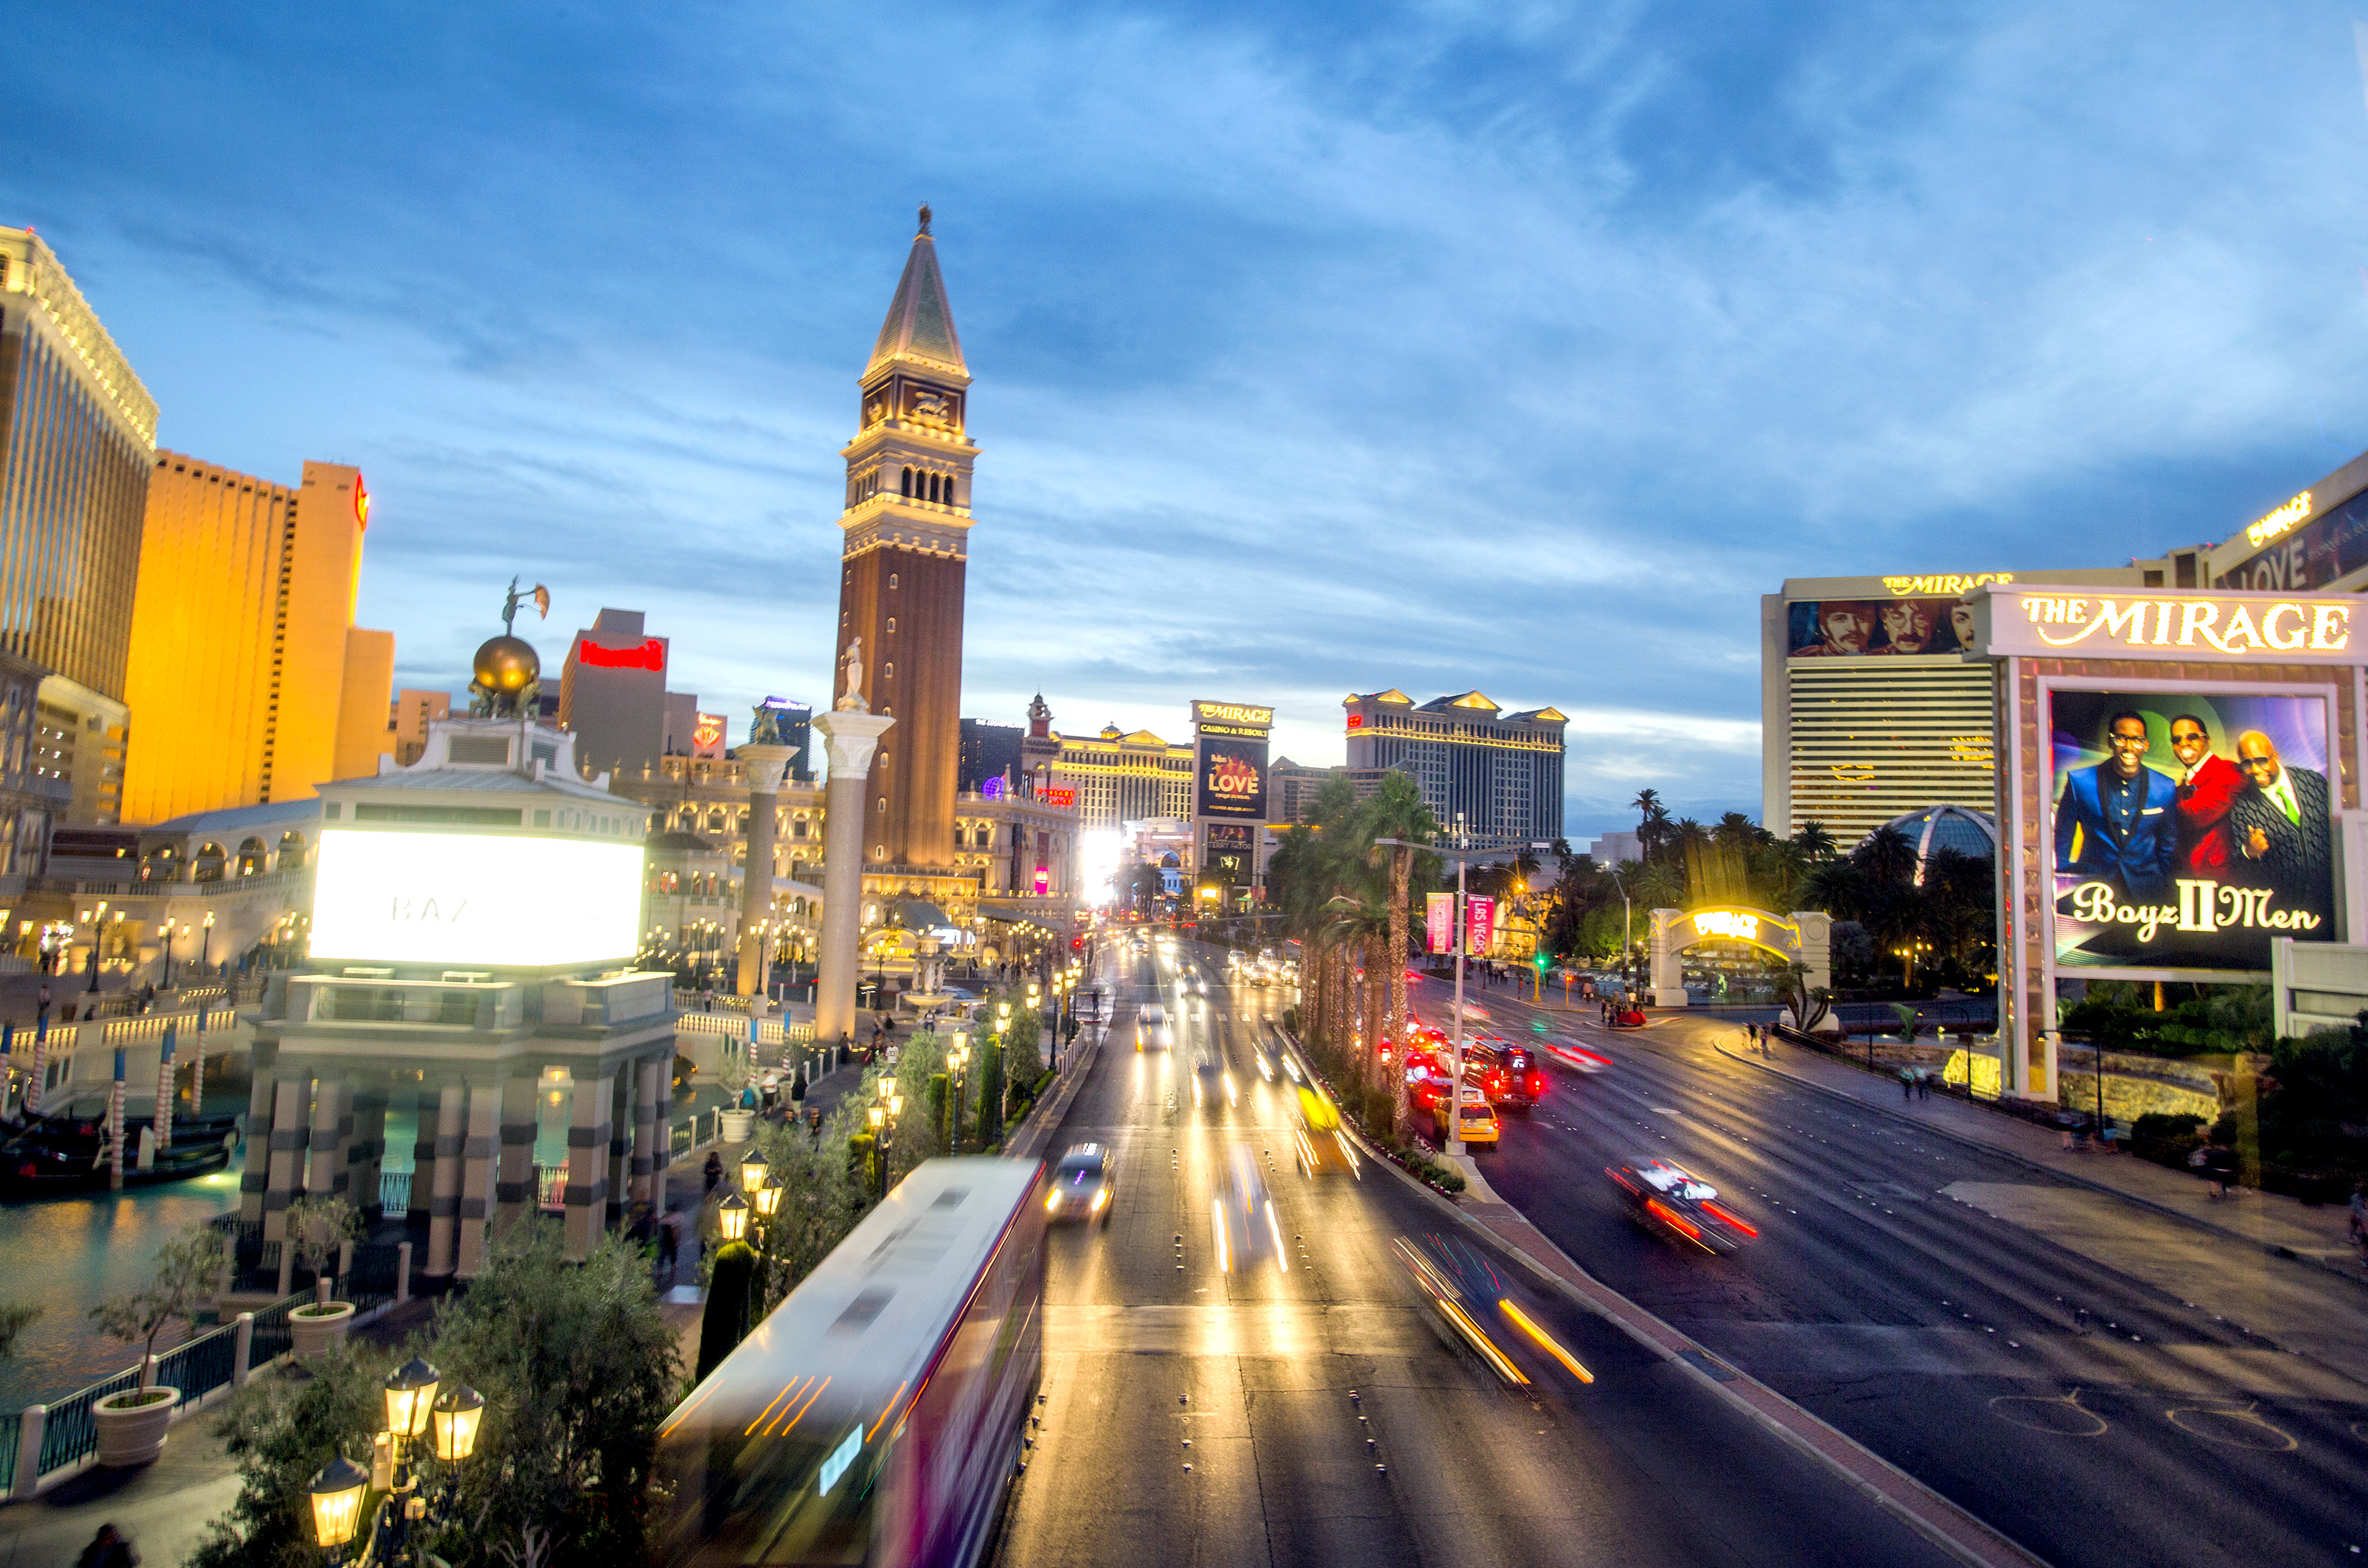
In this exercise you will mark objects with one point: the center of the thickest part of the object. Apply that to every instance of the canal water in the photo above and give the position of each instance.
(65, 1254)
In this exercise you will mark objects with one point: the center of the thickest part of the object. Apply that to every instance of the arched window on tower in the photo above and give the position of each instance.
(892, 623)
(891, 671)
(933, 487)
(908, 482)
(949, 490)
(892, 579)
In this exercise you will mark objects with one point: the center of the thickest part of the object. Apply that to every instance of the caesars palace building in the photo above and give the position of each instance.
(2165, 758)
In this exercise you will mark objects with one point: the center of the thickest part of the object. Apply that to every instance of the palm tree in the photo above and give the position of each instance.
(1360, 925)
(1396, 810)
(1888, 854)
(1814, 841)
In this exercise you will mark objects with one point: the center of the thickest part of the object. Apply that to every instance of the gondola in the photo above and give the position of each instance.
(65, 1152)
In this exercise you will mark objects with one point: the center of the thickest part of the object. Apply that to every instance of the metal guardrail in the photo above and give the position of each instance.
(395, 1192)
(770, 1031)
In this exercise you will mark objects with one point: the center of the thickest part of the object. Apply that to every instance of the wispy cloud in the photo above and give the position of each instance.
(1433, 345)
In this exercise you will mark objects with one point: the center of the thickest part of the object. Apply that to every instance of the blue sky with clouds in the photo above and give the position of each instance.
(1323, 350)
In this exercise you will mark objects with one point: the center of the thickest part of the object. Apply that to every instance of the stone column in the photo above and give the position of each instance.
(649, 1134)
(587, 1167)
(478, 1154)
(766, 764)
(662, 1112)
(367, 1153)
(514, 1187)
(448, 1164)
(852, 738)
(423, 1162)
(332, 1124)
(292, 1095)
(260, 1097)
(620, 1144)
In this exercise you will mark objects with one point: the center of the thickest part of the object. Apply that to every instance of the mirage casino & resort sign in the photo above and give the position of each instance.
(2283, 629)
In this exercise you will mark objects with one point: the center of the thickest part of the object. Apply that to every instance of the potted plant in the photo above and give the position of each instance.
(737, 1072)
(318, 1229)
(188, 1269)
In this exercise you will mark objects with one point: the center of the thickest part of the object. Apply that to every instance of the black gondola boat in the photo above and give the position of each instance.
(66, 1151)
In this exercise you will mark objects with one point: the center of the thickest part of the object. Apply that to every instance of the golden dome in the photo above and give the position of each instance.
(507, 665)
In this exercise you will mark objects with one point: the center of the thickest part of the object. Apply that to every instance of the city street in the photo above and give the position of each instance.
(2099, 1409)
(1211, 1401)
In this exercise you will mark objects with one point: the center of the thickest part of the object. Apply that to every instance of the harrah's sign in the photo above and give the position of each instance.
(2264, 628)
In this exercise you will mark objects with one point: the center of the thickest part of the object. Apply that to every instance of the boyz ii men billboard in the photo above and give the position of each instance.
(2191, 829)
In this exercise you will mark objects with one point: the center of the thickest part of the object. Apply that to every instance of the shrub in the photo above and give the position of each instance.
(280, 1433)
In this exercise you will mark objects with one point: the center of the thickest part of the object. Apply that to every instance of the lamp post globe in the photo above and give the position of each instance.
(336, 1497)
(457, 1411)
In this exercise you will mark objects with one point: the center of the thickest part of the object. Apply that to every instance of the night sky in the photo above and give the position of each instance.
(1517, 346)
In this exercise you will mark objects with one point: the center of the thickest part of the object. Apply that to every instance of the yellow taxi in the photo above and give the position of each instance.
(1478, 1120)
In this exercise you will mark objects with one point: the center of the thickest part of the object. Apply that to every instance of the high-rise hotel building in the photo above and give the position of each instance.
(77, 437)
(249, 681)
(1867, 710)
(1502, 771)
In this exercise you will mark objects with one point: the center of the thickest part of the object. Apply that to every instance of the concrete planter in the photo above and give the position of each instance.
(132, 1434)
(312, 1330)
(739, 1126)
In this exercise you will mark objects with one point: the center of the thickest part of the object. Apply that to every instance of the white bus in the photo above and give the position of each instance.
(875, 1415)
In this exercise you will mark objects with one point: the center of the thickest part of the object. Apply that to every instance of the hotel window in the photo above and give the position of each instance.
(892, 579)
(891, 671)
(892, 623)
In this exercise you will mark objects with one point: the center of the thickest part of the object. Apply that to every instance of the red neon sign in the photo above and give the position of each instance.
(1356, 720)
(709, 730)
(1058, 797)
(647, 654)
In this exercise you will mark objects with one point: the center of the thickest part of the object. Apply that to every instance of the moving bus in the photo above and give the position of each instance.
(875, 1416)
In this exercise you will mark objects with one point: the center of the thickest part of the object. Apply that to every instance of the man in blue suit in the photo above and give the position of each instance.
(2118, 822)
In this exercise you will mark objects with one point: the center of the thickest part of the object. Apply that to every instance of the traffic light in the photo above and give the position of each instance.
(1541, 961)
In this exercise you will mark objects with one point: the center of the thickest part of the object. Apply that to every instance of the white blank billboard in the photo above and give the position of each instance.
(456, 898)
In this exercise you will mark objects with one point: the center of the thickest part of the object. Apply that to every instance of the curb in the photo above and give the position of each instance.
(1955, 1529)
(2271, 1249)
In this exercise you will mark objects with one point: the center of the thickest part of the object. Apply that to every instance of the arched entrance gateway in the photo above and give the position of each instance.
(1803, 936)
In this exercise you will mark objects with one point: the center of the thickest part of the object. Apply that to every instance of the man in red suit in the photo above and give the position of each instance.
(2206, 790)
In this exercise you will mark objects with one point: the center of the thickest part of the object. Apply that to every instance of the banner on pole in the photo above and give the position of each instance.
(1439, 910)
(1482, 913)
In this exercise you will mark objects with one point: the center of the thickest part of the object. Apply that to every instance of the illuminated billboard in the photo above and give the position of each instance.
(2190, 829)
(1233, 778)
(1893, 627)
(451, 898)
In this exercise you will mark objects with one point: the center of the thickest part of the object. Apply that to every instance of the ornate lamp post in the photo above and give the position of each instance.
(414, 1407)
(165, 939)
(206, 954)
(957, 1062)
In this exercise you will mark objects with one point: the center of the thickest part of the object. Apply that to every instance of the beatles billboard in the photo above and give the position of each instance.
(1893, 628)
(2189, 828)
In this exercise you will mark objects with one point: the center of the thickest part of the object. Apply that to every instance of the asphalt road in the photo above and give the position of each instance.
(2097, 1418)
(1233, 1403)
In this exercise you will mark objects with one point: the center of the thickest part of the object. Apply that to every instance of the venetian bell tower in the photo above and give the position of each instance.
(906, 526)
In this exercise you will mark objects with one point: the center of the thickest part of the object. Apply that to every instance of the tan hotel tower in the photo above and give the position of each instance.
(906, 525)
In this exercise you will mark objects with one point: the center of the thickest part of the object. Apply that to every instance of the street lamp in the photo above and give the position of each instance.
(164, 937)
(456, 1412)
(732, 1216)
(753, 1170)
(336, 1494)
(206, 955)
(957, 1060)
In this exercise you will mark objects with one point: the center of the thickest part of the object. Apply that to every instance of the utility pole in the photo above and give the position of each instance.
(1463, 856)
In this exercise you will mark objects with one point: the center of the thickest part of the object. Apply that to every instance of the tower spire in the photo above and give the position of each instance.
(920, 324)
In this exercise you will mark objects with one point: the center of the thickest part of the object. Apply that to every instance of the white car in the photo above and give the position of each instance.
(1152, 1029)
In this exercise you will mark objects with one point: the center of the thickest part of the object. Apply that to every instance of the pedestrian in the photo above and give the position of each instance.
(669, 1235)
(2359, 1217)
(2219, 1166)
(108, 1548)
(713, 1170)
(1906, 1083)
(1923, 1084)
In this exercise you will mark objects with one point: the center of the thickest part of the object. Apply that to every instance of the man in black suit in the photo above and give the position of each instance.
(2280, 824)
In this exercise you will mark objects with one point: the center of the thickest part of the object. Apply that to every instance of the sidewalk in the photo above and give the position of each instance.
(2270, 1222)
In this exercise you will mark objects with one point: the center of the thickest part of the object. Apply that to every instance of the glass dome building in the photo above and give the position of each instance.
(1945, 826)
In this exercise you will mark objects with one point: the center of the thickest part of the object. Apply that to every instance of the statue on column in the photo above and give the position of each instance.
(850, 699)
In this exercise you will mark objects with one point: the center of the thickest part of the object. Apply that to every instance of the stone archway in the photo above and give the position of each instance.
(1804, 937)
